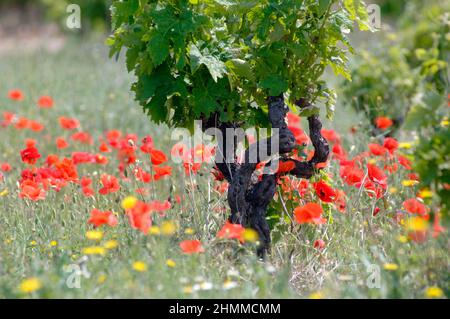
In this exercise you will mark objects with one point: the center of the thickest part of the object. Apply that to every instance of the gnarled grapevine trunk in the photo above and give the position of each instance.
(249, 200)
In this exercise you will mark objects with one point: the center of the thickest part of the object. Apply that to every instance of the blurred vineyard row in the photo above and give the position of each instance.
(96, 13)
(404, 77)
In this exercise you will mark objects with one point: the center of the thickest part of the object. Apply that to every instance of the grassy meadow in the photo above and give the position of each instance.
(48, 249)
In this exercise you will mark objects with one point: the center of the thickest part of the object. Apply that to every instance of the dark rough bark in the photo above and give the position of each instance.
(249, 201)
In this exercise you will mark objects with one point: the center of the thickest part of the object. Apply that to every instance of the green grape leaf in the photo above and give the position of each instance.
(216, 67)
(158, 47)
(275, 84)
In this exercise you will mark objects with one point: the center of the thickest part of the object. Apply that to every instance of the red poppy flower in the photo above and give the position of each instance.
(61, 143)
(99, 218)
(31, 190)
(222, 187)
(83, 158)
(142, 175)
(139, 216)
(22, 123)
(29, 142)
(413, 206)
(437, 227)
(285, 167)
(340, 201)
(377, 175)
(16, 95)
(52, 159)
(30, 155)
(5, 167)
(104, 148)
(68, 123)
(300, 137)
(374, 189)
(8, 118)
(319, 244)
(191, 247)
(377, 149)
(147, 144)
(191, 168)
(391, 144)
(110, 184)
(179, 150)
(45, 102)
(293, 119)
(331, 136)
(376, 211)
(35, 126)
(403, 161)
(158, 206)
(218, 176)
(351, 175)
(391, 168)
(309, 213)
(86, 181)
(383, 123)
(87, 191)
(157, 157)
(82, 137)
(66, 170)
(161, 171)
(101, 160)
(231, 231)
(339, 152)
(325, 192)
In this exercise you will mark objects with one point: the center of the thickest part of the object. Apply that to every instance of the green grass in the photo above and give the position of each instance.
(87, 85)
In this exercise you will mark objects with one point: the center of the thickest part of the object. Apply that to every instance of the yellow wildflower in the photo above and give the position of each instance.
(425, 193)
(53, 243)
(101, 279)
(111, 244)
(154, 230)
(434, 292)
(409, 182)
(4, 192)
(168, 228)
(405, 145)
(29, 285)
(416, 223)
(139, 266)
(33, 243)
(94, 234)
(403, 239)
(390, 267)
(129, 202)
(393, 190)
(171, 263)
(316, 295)
(250, 235)
(187, 289)
(94, 250)
(189, 231)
